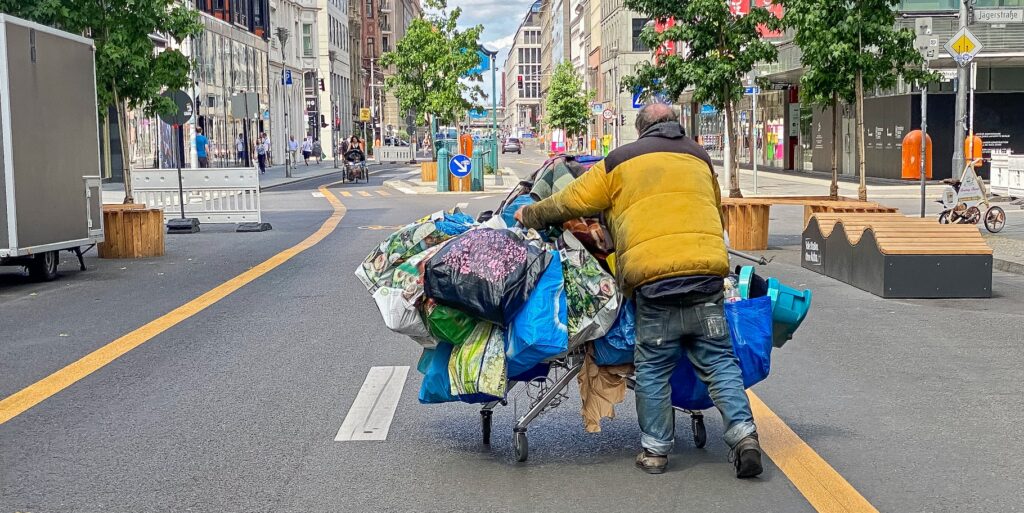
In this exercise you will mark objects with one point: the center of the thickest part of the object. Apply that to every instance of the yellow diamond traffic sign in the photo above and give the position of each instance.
(963, 46)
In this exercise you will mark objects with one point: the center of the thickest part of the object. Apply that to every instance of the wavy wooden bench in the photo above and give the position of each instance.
(891, 255)
(746, 219)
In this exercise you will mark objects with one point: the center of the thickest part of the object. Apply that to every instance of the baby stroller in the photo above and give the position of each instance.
(355, 167)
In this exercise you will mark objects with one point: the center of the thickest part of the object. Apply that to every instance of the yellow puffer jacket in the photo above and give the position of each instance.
(663, 207)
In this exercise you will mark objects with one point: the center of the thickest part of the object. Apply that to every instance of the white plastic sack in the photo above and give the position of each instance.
(402, 316)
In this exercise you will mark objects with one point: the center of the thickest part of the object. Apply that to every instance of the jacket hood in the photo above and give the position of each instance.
(666, 129)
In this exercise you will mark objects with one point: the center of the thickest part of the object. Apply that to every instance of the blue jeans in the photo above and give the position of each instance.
(664, 330)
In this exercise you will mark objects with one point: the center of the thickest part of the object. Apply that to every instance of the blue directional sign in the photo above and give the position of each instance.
(286, 77)
(752, 90)
(658, 96)
(460, 166)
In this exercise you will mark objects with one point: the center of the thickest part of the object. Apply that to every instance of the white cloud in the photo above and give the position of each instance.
(501, 43)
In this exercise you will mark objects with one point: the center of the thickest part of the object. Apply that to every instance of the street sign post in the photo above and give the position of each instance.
(608, 114)
(926, 44)
(999, 16)
(460, 166)
(752, 90)
(286, 77)
(182, 113)
(364, 114)
(597, 108)
(963, 46)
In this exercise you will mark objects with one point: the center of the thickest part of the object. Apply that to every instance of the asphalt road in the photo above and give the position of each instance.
(236, 408)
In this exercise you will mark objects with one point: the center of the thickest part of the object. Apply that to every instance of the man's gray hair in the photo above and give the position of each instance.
(653, 114)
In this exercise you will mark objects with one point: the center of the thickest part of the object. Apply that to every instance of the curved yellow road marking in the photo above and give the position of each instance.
(817, 481)
(20, 401)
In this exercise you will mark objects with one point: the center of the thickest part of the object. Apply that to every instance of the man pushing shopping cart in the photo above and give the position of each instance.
(663, 203)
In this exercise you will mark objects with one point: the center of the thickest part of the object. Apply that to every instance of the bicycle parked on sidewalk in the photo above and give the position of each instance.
(963, 199)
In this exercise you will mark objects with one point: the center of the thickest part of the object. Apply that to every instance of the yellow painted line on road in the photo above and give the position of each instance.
(824, 488)
(20, 401)
(346, 194)
(364, 194)
(383, 193)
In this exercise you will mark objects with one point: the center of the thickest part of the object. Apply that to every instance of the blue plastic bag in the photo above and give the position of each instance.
(509, 214)
(437, 386)
(750, 326)
(616, 347)
(539, 330)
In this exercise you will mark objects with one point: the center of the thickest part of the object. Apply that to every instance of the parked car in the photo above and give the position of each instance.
(512, 145)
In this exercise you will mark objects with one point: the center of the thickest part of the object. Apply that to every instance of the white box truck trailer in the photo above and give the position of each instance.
(50, 192)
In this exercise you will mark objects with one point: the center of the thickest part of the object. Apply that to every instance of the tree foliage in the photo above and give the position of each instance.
(567, 103)
(843, 43)
(721, 48)
(432, 64)
(127, 68)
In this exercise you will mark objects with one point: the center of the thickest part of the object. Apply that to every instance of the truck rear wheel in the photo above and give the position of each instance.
(44, 266)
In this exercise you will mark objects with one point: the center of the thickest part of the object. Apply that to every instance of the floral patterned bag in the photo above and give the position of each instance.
(591, 293)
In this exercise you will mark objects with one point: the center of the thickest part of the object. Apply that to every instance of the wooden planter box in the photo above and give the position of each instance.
(747, 224)
(428, 171)
(132, 231)
(464, 184)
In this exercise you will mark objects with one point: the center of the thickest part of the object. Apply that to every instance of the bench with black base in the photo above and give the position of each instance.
(894, 256)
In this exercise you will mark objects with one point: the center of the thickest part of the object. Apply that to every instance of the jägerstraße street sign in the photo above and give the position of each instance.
(963, 46)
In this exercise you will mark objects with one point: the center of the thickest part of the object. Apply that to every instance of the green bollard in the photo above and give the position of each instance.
(476, 182)
(442, 168)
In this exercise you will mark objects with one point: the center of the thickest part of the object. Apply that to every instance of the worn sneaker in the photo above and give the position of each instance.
(651, 463)
(746, 457)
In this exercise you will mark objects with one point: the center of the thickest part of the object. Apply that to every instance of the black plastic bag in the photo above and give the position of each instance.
(486, 273)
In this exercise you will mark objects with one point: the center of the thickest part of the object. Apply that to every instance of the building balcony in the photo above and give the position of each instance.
(385, 6)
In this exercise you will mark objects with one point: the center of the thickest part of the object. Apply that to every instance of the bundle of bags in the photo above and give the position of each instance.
(488, 303)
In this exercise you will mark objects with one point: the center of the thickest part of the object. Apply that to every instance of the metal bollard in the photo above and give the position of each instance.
(442, 169)
(476, 181)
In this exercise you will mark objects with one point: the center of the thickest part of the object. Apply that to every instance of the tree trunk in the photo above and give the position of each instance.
(120, 107)
(862, 191)
(833, 190)
(732, 161)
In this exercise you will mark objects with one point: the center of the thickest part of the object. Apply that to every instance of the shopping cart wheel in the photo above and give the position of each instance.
(485, 425)
(521, 446)
(700, 433)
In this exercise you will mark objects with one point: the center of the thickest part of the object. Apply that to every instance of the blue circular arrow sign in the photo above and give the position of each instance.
(460, 166)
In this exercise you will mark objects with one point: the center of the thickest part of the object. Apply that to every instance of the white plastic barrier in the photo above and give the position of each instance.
(1007, 175)
(394, 153)
(212, 195)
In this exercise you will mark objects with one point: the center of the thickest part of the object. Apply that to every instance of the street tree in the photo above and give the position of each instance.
(567, 103)
(721, 48)
(827, 79)
(130, 73)
(433, 64)
(846, 47)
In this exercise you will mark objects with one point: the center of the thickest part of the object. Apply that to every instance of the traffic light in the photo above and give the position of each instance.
(519, 80)
(323, 121)
(622, 119)
(322, 85)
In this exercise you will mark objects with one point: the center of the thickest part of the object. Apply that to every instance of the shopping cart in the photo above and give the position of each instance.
(548, 392)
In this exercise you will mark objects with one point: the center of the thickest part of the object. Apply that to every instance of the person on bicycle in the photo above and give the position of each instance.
(663, 203)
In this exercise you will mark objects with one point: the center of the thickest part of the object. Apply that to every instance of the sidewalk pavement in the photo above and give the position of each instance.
(274, 177)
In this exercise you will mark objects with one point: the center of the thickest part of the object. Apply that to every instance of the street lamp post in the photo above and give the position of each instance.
(282, 36)
(615, 80)
(334, 137)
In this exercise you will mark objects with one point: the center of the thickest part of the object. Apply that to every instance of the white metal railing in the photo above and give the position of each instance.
(1007, 175)
(394, 153)
(212, 195)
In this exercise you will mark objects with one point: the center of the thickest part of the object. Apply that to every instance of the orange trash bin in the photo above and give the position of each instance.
(976, 153)
(912, 156)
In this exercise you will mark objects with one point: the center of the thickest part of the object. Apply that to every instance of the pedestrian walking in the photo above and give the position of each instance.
(318, 150)
(293, 148)
(663, 197)
(261, 154)
(240, 148)
(307, 148)
(270, 152)
(201, 146)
